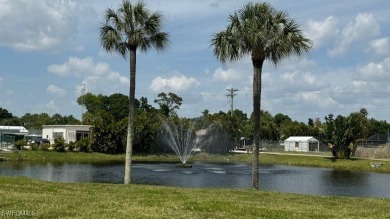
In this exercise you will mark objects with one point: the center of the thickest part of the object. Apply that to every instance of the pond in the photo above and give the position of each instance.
(292, 179)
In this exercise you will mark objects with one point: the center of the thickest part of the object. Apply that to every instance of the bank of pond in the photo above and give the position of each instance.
(281, 178)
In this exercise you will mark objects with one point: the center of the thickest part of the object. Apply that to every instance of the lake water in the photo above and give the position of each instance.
(302, 180)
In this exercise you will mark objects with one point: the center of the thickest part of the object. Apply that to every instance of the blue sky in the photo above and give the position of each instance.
(49, 47)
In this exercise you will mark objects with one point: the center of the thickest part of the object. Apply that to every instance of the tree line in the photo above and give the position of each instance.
(35, 121)
(108, 115)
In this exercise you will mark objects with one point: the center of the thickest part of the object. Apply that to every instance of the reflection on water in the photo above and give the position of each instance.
(303, 180)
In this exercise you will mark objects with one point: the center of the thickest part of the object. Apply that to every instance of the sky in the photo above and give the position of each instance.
(49, 48)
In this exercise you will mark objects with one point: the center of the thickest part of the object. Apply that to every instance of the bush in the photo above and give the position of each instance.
(34, 146)
(71, 146)
(44, 146)
(19, 144)
(59, 145)
(84, 145)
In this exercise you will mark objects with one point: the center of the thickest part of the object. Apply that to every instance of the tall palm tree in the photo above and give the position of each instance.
(132, 27)
(264, 33)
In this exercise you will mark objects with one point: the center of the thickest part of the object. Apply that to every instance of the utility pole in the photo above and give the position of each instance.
(83, 92)
(231, 95)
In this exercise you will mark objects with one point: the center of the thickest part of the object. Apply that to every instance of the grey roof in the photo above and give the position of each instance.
(20, 129)
(302, 139)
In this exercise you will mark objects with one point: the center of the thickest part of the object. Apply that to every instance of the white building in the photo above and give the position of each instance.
(70, 133)
(301, 143)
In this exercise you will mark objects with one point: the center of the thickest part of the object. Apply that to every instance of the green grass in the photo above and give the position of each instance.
(94, 200)
(265, 158)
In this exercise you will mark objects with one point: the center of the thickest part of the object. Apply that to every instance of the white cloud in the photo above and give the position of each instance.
(90, 70)
(359, 84)
(175, 83)
(374, 71)
(37, 25)
(321, 32)
(380, 46)
(228, 75)
(297, 81)
(363, 28)
(56, 90)
(75, 66)
(1, 79)
(316, 98)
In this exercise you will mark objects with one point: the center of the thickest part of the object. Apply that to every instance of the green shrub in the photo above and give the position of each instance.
(34, 146)
(84, 145)
(19, 144)
(59, 145)
(71, 146)
(44, 146)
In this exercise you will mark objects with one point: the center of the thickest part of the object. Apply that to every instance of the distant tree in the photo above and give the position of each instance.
(108, 134)
(239, 114)
(14, 121)
(57, 119)
(35, 121)
(93, 103)
(269, 130)
(168, 103)
(146, 132)
(6, 118)
(281, 118)
(117, 105)
(378, 127)
(144, 106)
(310, 122)
(4, 114)
(71, 120)
(205, 112)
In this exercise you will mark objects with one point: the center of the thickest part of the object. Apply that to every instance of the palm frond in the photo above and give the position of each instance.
(160, 41)
(260, 30)
(109, 37)
(132, 26)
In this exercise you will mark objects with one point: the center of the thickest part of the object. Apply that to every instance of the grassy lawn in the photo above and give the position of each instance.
(94, 200)
(265, 158)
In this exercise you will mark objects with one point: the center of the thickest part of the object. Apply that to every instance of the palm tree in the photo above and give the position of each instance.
(129, 28)
(264, 33)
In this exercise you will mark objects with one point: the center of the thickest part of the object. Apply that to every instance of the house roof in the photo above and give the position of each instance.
(64, 126)
(20, 129)
(302, 139)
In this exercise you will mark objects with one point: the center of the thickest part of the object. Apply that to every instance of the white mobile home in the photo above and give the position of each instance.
(70, 133)
(301, 143)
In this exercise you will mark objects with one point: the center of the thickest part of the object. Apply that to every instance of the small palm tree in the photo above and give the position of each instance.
(129, 28)
(264, 33)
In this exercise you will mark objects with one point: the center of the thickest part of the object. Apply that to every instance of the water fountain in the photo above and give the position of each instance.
(186, 137)
(181, 137)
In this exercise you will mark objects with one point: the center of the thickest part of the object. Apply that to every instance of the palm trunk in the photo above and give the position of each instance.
(130, 124)
(257, 68)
